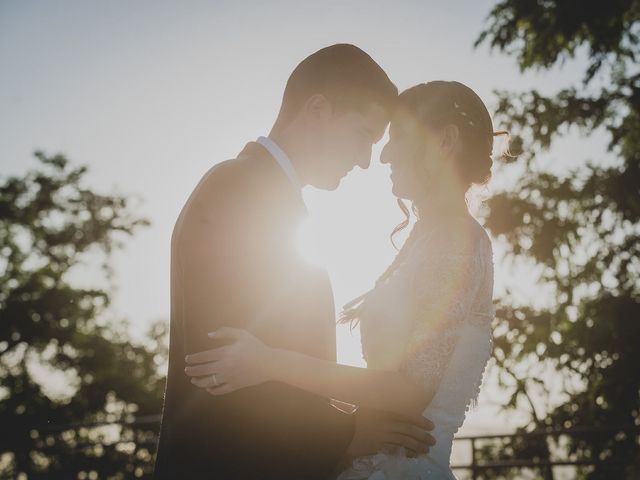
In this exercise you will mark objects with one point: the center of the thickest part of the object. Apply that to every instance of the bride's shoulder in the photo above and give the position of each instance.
(459, 236)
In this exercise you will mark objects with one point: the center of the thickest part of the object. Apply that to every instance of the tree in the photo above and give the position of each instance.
(50, 224)
(582, 229)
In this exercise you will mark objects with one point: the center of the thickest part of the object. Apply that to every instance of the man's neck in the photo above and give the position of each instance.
(287, 142)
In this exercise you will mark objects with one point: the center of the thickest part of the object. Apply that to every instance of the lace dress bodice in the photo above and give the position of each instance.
(431, 319)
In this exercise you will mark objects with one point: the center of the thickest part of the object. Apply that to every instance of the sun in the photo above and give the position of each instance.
(308, 243)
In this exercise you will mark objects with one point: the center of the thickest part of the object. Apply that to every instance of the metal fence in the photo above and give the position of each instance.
(544, 463)
(478, 467)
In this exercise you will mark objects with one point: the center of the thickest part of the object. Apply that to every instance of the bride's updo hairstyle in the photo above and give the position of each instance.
(440, 103)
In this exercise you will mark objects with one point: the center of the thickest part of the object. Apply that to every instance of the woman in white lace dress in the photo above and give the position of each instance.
(426, 326)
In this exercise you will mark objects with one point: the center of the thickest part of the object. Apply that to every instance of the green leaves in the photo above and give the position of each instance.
(581, 227)
(50, 224)
(543, 33)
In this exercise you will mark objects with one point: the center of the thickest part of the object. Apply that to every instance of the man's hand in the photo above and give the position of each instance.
(377, 431)
(242, 363)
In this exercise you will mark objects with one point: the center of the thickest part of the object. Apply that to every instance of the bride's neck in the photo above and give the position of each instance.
(437, 209)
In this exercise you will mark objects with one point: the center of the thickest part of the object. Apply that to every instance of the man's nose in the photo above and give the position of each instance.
(384, 155)
(365, 160)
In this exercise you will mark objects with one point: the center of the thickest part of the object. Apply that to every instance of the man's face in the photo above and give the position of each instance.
(344, 141)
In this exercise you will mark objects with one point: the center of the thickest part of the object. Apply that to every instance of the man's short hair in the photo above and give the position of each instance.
(345, 74)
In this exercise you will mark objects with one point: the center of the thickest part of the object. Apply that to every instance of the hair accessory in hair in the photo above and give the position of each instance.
(464, 114)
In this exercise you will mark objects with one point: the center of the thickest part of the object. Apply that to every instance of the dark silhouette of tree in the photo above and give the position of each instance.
(50, 225)
(582, 229)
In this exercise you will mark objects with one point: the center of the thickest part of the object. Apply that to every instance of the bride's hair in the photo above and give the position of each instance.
(438, 104)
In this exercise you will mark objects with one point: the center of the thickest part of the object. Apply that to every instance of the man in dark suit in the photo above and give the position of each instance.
(234, 263)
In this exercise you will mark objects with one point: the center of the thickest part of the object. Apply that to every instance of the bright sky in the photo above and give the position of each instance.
(150, 94)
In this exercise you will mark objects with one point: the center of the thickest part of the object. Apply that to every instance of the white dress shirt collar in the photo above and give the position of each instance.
(282, 158)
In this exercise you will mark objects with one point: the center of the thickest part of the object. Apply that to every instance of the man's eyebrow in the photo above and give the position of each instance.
(372, 133)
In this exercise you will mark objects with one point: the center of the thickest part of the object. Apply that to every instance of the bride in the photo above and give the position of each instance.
(426, 325)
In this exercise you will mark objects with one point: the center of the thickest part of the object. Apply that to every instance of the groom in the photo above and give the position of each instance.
(234, 263)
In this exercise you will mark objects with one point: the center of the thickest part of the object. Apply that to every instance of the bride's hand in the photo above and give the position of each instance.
(242, 363)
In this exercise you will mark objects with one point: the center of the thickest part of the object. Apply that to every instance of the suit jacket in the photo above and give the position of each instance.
(234, 263)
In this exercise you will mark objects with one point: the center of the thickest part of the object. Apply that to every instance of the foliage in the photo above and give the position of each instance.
(581, 228)
(52, 331)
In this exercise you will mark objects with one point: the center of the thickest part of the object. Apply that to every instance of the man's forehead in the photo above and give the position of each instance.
(376, 117)
(377, 111)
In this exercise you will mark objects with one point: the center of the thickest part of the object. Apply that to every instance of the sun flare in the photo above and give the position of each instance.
(308, 245)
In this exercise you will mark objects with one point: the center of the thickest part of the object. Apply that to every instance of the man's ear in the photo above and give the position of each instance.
(317, 108)
(449, 139)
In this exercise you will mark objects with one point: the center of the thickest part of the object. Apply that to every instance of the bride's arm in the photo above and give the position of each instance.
(248, 361)
(379, 389)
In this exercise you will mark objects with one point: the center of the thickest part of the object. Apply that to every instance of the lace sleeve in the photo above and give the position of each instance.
(451, 288)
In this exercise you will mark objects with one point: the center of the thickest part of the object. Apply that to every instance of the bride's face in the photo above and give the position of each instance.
(413, 154)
